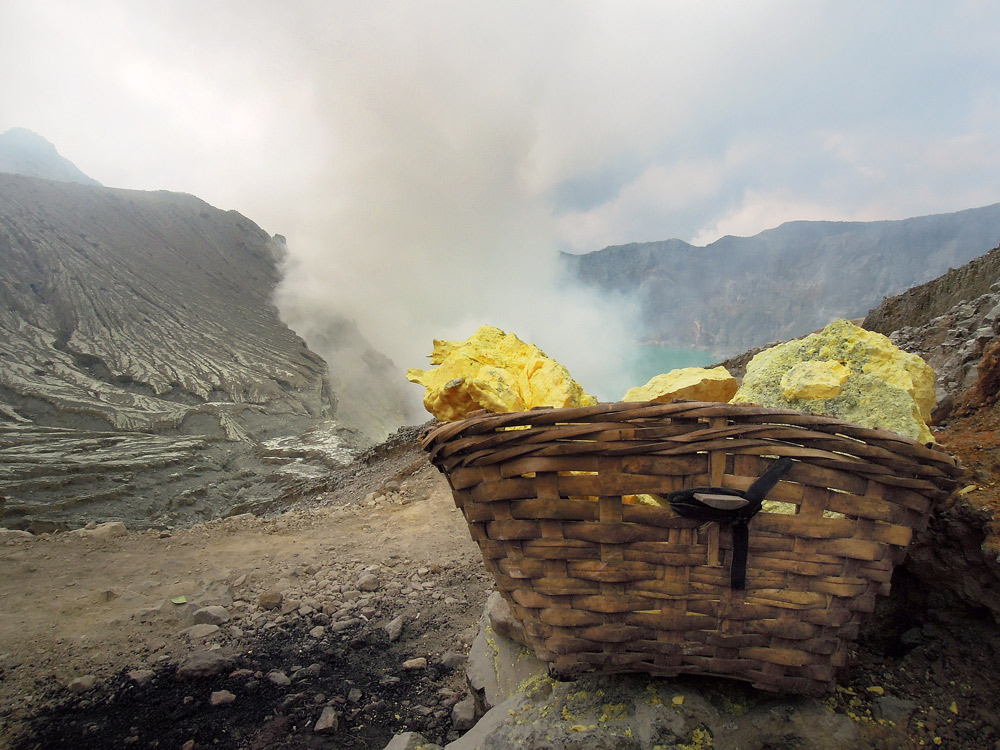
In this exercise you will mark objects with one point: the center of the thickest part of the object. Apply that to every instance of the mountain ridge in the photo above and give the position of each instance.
(28, 154)
(741, 292)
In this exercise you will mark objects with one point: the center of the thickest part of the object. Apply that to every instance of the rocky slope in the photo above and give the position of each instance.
(145, 311)
(951, 321)
(742, 292)
(918, 305)
(128, 319)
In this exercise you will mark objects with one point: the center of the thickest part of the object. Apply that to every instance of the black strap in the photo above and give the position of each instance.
(685, 503)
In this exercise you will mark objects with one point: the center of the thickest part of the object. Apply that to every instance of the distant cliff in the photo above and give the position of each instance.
(25, 153)
(741, 292)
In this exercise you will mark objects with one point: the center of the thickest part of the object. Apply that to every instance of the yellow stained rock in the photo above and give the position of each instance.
(496, 371)
(885, 386)
(814, 379)
(695, 383)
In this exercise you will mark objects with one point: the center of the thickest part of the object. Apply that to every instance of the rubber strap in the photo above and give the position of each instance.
(686, 504)
(741, 545)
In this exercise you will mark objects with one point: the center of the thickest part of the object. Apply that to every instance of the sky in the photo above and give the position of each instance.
(427, 160)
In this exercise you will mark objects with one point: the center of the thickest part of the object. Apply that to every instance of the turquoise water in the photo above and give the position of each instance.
(640, 363)
(648, 360)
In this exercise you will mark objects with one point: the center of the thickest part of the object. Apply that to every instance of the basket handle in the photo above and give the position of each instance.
(710, 504)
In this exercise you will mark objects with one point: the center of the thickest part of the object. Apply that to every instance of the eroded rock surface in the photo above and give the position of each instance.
(145, 311)
(142, 362)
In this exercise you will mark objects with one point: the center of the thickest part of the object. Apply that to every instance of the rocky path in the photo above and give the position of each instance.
(355, 613)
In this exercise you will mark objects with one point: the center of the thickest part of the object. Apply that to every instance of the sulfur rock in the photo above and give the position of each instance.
(846, 372)
(695, 383)
(496, 371)
(814, 379)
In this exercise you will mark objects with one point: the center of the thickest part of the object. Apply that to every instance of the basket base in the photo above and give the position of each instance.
(778, 683)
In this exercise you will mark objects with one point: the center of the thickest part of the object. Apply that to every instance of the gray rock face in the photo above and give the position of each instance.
(948, 321)
(144, 364)
(742, 292)
(917, 306)
(145, 311)
(497, 665)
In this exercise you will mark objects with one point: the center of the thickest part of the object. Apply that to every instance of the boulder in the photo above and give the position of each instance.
(693, 383)
(394, 628)
(212, 615)
(82, 684)
(328, 721)
(203, 664)
(270, 599)
(463, 714)
(846, 372)
(496, 371)
(498, 666)
(502, 620)
(203, 630)
(221, 698)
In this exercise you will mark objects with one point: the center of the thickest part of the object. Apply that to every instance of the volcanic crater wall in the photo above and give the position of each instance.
(142, 311)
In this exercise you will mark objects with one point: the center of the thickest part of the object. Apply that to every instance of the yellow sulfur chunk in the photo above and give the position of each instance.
(695, 383)
(814, 379)
(884, 386)
(496, 371)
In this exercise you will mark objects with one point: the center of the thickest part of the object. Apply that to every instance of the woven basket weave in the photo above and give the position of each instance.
(600, 584)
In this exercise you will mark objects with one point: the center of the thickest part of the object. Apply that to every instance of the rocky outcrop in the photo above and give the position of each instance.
(742, 292)
(953, 343)
(919, 305)
(952, 570)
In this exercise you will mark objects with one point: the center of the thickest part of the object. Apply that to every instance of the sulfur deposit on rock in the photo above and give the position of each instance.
(496, 371)
(815, 379)
(695, 383)
(846, 372)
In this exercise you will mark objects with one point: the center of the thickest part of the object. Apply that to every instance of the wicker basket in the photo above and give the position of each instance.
(601, 584)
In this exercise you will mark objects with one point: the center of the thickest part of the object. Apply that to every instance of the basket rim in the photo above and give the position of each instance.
(883, 450)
